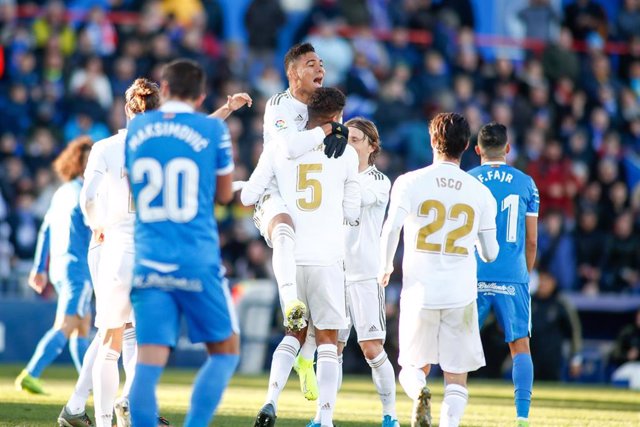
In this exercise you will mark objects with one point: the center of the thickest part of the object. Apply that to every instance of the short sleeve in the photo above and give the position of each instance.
(224, 157)
(399, 195)
(533, 203)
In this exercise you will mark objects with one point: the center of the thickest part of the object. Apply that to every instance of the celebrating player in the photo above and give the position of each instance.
(178, 162)
(444, 211)
(285, 124)
(64, 239)
(321, 193)
(504, 284)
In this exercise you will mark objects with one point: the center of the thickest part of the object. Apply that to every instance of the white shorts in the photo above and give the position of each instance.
(448, 337)
(269, 205)
(113, 287)
(366, 311)
(321, 288)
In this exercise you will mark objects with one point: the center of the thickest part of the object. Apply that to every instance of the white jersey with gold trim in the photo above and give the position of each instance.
(447, 208)
(362, 237)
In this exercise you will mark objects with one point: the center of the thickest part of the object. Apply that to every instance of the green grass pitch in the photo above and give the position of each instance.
(491, 403)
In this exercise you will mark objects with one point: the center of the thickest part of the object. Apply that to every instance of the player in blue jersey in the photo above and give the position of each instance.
(64, 241)
(504, 284)
(178, 162)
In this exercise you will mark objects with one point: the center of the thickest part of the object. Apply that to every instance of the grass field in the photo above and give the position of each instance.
(490, 404)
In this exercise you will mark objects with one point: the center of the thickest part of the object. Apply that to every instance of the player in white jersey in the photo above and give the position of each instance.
(106, 200)
(320, 193)
(285, 124)
(444, 212)
(364, 296)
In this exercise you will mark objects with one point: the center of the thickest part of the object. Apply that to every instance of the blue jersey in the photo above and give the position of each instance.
(64, 237)
(173, 157)
(517, 197)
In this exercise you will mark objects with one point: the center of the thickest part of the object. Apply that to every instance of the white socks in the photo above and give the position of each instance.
(106, 378)
(412, 381)
(78, 400)
(283, 239)
(340, 360)
(385, 381)
(455, 400)
(129, 357)
(281, 365)
(328, 368)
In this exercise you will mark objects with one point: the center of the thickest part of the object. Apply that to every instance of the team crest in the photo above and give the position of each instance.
(280, 124)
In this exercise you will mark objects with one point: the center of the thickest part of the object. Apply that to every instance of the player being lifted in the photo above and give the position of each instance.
(178, 162)
(365, 297)
(504, 284)
(444, 212)
(321, 194)
(285, 124)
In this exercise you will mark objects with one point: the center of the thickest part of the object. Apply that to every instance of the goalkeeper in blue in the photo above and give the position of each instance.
(504, 284)
(178, 161)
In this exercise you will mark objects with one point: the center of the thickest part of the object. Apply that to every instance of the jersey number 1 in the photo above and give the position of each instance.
(511, 204)
(436, 225)
(178, 182)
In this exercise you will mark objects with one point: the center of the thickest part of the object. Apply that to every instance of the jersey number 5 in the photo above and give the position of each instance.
(437, 223)
(178, 183)
(304, 182)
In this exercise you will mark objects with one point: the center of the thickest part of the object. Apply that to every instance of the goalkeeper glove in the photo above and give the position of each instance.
(336, 142)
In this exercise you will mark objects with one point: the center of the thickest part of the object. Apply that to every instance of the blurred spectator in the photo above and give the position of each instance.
(53, 25)
(263, 19)
(622, 258)
(24, 227)
(556, 250)
(539, 19)
(16, 111)
(553, 320)
(183, 10)
(83, 124)
(92, 84)
(335, 51)
(584, 17)
(628, 21)
(626, 354)
(101, 32)
(589, 255)
(559, 59)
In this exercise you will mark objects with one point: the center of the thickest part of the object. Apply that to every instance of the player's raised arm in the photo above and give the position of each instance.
(224, 179)
(234, 103)
(259, 180)
(398, 211)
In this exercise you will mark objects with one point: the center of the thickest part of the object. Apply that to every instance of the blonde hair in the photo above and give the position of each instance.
(143, 95)
(370, 131)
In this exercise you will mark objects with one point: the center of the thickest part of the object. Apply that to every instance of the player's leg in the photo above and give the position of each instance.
(129, 356)
(75, 409)
(303, 366)
(513, 308)
(79, 339)
(418, 345)
(157, 325)
(106, 376)
(282, 236)
(53, 342)
(366, 302)
(460, 350)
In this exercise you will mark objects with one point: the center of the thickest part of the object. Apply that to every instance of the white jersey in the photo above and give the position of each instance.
(446, 209)
(320, 193)
(362, 237)
(105, 166)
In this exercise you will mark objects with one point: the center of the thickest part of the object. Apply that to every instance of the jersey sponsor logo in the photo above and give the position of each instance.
(154, 280)
(373, 328)
(299, 118)
(280, 124)
(492, 288)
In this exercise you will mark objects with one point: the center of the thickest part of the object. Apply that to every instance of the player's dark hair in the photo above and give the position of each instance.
(370, 132)
(143, 95)
(71, 163)
(295, 52)
(493, 137)
(325, 102)
(185, 78)
(450, 134)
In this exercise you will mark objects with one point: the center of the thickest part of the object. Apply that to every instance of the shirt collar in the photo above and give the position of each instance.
(494, 162)
(444, 162)
(176, 107)
(297, 104)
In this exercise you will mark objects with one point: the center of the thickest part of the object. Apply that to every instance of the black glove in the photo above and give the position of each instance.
(336, 142)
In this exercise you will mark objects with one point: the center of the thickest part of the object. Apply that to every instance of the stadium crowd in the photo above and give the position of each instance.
(572, 107)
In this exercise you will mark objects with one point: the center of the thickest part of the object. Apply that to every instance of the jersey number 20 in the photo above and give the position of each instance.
(441, 215)
(179, 175)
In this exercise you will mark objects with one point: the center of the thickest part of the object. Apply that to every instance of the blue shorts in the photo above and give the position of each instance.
(511, 304)
(74, 298)
(160, 299)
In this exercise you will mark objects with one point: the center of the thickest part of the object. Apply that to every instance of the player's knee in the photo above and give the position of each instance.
(300, 335)
(327, 336)
(283, 220)
(521, 345)
(229, 346)
(371, 349)
(67, 325)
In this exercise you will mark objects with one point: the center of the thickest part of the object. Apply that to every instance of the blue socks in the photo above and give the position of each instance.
(49, 347)
(522, 375)
(209, 385)
(78, 347)
(142, 397)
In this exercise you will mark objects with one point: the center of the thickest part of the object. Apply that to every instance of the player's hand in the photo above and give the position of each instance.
(238, 100)
(383, 278)
(334, 145)
(98, 235)
(38, 281)
(237, 185)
